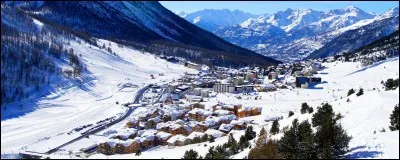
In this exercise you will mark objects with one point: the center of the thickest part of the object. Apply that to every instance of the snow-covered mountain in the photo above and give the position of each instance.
(144, 25)
(353, 39)
(212, 19)
(294, 34)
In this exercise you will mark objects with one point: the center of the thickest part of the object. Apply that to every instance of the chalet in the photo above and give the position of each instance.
(163, 137)
(197, 127)
(108, 147)
(178, 140)
(226, 128)
(152, 122)
(242, 113)
(199, 114)
(215, 133)
(132, 123)
(194, 135)
(238, 124)
(179, 129)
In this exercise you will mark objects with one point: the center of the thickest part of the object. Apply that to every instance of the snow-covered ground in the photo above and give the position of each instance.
(71, 105)
(363, 115)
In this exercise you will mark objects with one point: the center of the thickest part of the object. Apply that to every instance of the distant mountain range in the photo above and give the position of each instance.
(296, 34)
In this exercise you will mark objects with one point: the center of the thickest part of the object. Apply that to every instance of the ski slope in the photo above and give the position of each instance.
(70, 105)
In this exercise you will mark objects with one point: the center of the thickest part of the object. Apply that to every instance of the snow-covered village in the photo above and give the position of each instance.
(102, 95)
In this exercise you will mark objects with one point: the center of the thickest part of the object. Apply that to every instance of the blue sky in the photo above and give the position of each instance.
(261, 7)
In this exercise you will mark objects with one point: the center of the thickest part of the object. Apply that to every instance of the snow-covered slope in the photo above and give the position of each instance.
(140, 24)
(212, 19)
(75, 104)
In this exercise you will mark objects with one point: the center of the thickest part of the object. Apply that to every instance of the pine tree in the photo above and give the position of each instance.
(262, 137)
(360, 92)
(330, 139)
(304, 108)
(275, 127)
(191, 154)
(322, 112)
(307, 141)
(310, 110)
(204, 138)
(288, 144)
(394, 119)
(265, 151)
(211, 138)
(138, 152)
(291, 113)
(350, 92)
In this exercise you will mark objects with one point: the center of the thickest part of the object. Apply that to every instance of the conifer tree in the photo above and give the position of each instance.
(275, 127)
(394, 119)
(191, 154)
(304, 108)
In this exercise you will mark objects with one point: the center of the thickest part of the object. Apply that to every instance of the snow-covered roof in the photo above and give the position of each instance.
(225, 127)
(214, 133)
(175, 138)
(221, 112)
(155, 119)
(163, 135)
(195, 134)
(200, 111)
(237, 122)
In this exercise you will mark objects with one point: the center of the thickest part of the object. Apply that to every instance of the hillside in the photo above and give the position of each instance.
(144, 25)
(353, 39)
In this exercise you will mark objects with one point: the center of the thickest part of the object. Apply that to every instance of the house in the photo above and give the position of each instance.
(255, 111)
(199, 114)
(194, 135)
(193, 65)
(267, 88)
(125, 136)
(197, 127)
(179, 129)
(227, 118)
(272, 75)
(163, 137)
(246, 111)
(226, 128)
(215, 133)
(242, 113)
(152, 122)
(147, 141)
(238, 124)
(132, 123)
(177, 140)
(108, 147)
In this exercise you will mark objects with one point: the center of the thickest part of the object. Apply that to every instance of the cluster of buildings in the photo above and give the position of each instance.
(179, 117)
(176, 125)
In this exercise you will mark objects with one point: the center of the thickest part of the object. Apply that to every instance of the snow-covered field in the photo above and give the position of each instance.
(72, 105)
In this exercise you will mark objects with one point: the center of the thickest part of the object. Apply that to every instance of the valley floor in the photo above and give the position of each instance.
(58, 113)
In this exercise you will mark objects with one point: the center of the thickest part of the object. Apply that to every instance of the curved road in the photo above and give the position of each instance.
(138, 96)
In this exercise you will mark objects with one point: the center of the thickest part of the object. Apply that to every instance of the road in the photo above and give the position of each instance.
(138, 96)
